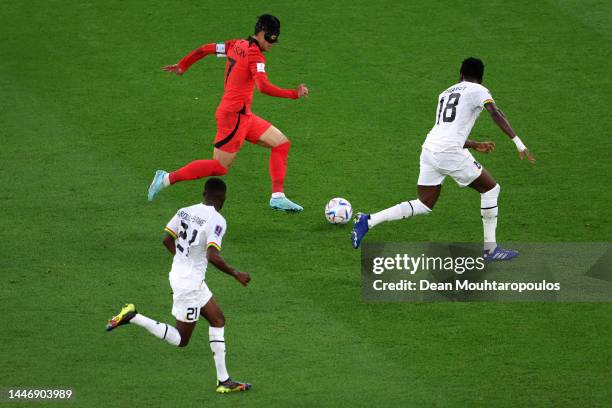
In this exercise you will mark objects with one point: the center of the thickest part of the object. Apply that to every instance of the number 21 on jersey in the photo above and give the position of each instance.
(182, 244)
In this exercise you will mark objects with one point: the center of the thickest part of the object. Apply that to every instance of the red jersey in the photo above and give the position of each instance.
(245, 69)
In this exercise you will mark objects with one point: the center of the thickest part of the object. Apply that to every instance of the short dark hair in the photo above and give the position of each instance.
(267, 23)
(472, 68)
(214, 185)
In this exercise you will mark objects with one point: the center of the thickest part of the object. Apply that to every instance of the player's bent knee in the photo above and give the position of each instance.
(283, 146)
(493, 191)
(272, 138)
(488, 203)
(420, 207)
(283, 140)
(218, 321)
(488, 200)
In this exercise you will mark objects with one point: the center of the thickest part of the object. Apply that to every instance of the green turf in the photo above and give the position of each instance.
(87, 116)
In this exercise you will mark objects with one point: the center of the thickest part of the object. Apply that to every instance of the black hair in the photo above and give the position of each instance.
(270, 25)
(472, 68)
(214, 185)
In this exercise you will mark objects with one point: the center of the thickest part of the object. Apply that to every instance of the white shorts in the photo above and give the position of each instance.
(459, 164)
(187, 303)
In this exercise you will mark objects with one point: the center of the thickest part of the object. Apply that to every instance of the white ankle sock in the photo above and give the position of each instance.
(488, 211)
(166, 180)
(217, 345)
(397, 212)
(160, 330)
(278, 195)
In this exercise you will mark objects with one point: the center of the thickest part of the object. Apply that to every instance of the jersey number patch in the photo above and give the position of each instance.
(450, 111)
(182, 236)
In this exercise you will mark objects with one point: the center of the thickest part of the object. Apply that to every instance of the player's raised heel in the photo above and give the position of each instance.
(360, 229)
(125, 315)
(499, 254)
(157, 184)
(284, 204)
(229, 385)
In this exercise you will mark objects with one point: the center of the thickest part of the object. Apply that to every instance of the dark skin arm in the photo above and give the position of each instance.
(482, 147)
(215, 258)
(169, 243)
(500, 120)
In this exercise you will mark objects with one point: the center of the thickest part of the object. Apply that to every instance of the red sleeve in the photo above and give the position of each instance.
(197, 55)
(265, 87)
(257, 65)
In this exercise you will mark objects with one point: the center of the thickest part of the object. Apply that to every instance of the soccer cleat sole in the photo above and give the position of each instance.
(125, 315)
(501, 257)
(355, 240)
(226, 390)
(289, 210)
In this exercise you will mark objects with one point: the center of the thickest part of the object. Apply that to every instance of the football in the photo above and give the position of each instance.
(338, 211)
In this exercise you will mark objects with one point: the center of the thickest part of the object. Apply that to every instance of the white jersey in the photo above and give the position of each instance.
(458, 108)
(194, 229)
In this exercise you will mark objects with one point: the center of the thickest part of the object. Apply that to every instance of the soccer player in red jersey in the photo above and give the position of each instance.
(245, 69)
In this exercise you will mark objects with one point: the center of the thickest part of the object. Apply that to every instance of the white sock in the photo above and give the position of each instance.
(217, 345)
(166, 180)
(278, 195)
(160, 330)
(488, 210)
(397, 212)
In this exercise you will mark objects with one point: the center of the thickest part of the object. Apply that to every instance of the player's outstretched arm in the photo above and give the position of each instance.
(193, 57)
(266, 87)
(500, 119)
(215, 258)
(482, 147)
(169, 243)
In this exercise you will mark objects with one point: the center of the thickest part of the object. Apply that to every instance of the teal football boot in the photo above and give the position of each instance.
(157, 184)
(284, 204)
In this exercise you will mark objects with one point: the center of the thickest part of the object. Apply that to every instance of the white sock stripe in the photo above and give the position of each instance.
(412, 208)
(166, 332)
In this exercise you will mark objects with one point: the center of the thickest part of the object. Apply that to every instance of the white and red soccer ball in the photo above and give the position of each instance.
(338, 211)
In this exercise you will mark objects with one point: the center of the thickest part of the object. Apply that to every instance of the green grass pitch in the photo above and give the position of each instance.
(87, 115)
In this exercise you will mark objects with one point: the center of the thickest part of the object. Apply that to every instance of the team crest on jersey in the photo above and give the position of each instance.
(218, 230)
(261, 67)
